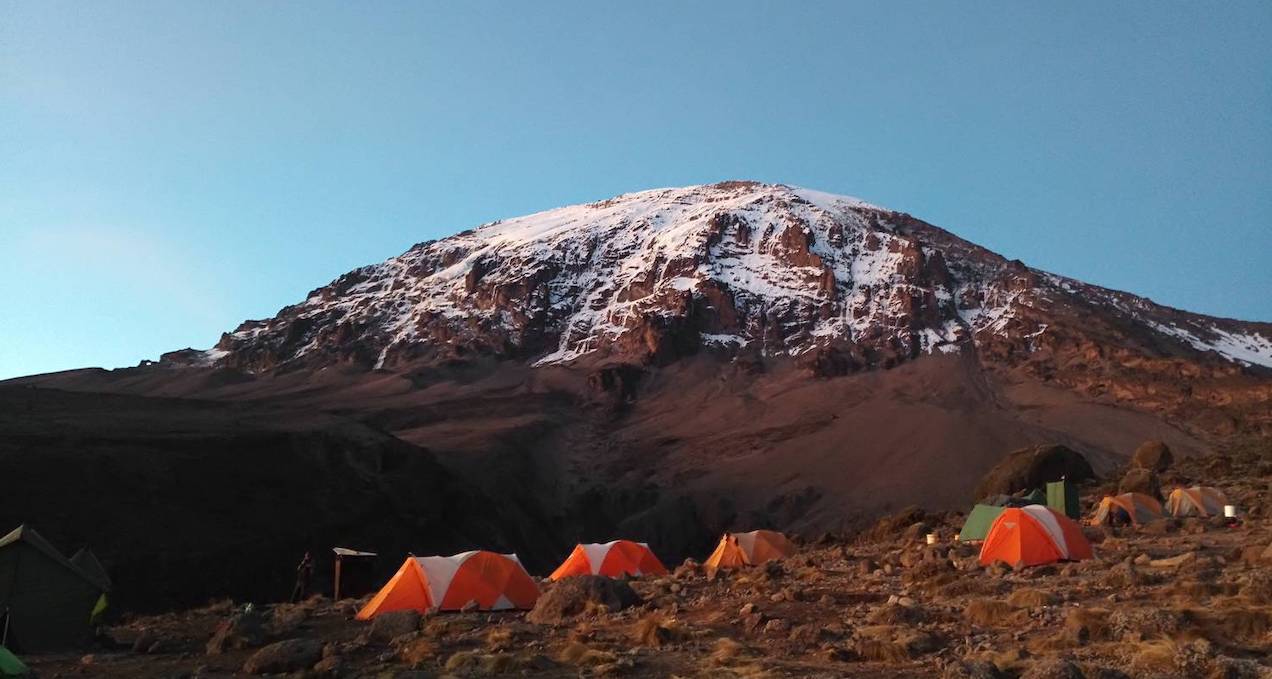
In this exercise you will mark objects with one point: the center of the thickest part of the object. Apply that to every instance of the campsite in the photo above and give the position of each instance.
(1133, 595)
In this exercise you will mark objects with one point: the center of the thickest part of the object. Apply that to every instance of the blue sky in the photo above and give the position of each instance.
(168, 169)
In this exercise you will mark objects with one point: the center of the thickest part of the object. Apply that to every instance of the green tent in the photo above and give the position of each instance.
(47, 599)
(1062, 496)
(10, 666)
(976, 527)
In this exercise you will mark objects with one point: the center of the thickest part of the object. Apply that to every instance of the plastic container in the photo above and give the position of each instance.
(1229, 511)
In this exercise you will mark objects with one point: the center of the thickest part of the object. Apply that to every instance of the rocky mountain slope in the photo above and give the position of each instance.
(753, 272)
(659, 366)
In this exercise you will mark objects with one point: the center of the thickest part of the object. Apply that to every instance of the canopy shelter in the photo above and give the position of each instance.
(486, 580)
(350, 584)
(749, 549)
(976, 527)
(1196, 501)
(46, 601)
(612, 559)
(1127, 508)
(1032, 536)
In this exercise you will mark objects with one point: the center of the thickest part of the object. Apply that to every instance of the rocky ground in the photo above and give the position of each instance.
(1190, 598)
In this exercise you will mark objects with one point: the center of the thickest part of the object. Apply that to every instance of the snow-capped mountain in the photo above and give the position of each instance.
(739, 268)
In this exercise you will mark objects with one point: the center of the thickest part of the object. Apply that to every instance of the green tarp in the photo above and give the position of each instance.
(48, 599)
(10, 666)
(976, 527)
(1062, 496)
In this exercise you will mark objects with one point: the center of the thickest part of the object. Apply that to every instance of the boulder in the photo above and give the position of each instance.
(1033, 467)
(287, 618)
(577, 595)
(239, 631)
(281, 657)
(1154, 456)
(1138, 480)
(386, 627)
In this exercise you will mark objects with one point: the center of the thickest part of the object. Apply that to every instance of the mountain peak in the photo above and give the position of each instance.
(739, 268)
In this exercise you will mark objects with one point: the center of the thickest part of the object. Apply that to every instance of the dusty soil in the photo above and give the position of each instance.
(1177, 598)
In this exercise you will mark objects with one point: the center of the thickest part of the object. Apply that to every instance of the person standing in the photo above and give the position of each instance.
(304, 573)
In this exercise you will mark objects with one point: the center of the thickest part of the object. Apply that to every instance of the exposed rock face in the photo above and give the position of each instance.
(1152, 455)
(1030, 468)
(574, 596)
(755, 270)
(1140, 480)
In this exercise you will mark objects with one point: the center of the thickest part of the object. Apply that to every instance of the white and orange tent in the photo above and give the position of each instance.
(1196, 501)
(1133, 508)
(490, 581)
(1033, 535)
(749, 549)
(612, 559)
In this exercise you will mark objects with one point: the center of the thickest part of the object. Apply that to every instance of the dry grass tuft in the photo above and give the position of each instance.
(656, 630)
(1084, 625)
(893, 614)
(1155, 656)
(576, 653)
(990, 613)
(725, 651)
(418, 651)
(499, 639)
(1233, 623)
(1031, 598)
(880, 650)
(971, 586)
(484, 663)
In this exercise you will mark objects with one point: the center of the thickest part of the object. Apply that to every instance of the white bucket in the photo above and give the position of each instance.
(931, 538)
(1229, 511)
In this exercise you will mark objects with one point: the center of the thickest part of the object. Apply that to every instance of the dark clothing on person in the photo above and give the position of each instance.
(304, 572)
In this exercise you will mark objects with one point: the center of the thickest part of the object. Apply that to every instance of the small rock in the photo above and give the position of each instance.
(777, 626)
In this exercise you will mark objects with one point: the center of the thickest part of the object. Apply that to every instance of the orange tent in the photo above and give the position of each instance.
(749, 549)
(493, 582)
(1135, 508)
(1196, 501)
(1033, 535)
(612, 559)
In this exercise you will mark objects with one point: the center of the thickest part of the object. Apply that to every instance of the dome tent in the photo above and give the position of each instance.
(1196, 501)
(492, 582)
(1032, 536)
(611, 559)
(1133, 508)
(749, 549)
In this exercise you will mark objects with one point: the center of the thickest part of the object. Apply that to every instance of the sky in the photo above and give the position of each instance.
(169, 169)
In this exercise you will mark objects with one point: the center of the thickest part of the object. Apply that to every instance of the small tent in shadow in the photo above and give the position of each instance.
(46, 601)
